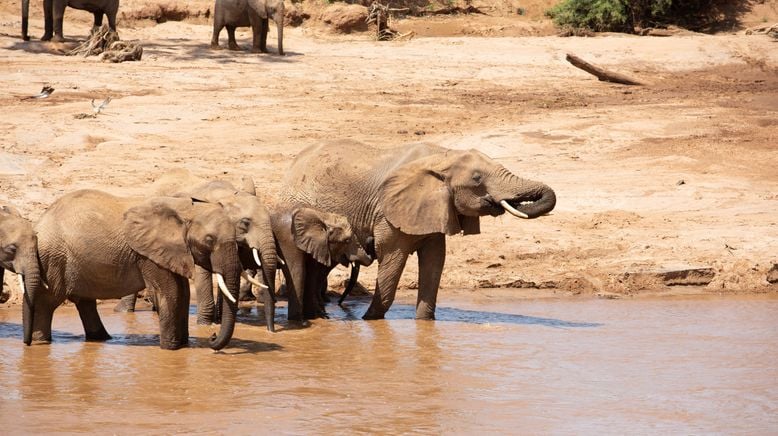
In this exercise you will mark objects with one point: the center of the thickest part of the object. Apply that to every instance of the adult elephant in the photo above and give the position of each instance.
(54, 13)
(244, 13)
(312, 243)
(254, 235)
(93, 245)
(19, 254)
(408, 199)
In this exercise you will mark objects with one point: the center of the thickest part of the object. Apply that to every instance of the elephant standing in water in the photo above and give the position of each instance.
(19, 254)
(245, 13)
(408, 199)
(93, 245)
(54, 13)
(312, 243)
(253, 230)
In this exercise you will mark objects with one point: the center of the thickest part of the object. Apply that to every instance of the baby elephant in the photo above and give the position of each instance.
(245, 13)
(311, 243)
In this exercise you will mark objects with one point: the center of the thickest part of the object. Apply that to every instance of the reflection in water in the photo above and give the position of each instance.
(681, 366)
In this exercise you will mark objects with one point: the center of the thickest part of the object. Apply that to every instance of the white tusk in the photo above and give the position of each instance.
(256, 256)
(21, 283)
(223, 287)
(512, 210)
(281, 261)
(253, 281)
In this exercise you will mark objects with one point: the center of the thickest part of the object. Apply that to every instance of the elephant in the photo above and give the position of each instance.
(94, 245)
(408, 199)
(19, 254)
(256, 244)
(54, 12)
(245, 13)
(312, 242)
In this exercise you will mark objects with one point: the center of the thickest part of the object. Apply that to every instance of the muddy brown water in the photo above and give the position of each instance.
(702, 365)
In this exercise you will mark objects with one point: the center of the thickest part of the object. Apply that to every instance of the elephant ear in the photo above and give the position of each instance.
(311, 234)
(157, 229)
(416, 198)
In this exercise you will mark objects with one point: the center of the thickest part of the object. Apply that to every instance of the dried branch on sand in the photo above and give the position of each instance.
(602, 74)
(106, 42)
(378, 14)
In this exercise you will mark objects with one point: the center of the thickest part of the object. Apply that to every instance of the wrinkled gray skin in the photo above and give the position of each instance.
(245, 13)
(54, 12)
(311, 243)
(93, 245)
(408, 199)
(19, 254)
(253, 230)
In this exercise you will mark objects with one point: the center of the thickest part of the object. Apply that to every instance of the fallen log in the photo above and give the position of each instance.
(602, 74)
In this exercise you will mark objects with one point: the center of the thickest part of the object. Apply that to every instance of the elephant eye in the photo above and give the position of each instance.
(244, 224)
(10, 249)
(210, 240)
(477, 177)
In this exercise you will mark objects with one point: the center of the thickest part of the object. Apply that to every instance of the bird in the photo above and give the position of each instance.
(45, 92)
(98, 108)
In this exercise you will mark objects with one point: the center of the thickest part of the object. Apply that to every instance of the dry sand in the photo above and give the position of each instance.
(681, 173)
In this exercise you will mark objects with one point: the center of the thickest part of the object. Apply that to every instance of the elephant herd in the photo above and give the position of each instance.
(227, 13)
(341, 202)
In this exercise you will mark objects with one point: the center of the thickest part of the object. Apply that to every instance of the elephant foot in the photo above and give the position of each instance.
(235, 47)
(373, 314)
(58, 38)
(41, 338)
(177, 345)
(25, 38)
(47, 36)
(281, 53)
(101, 336)
(215, 46)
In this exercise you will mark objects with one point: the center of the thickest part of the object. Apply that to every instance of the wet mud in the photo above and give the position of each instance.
(681, 365)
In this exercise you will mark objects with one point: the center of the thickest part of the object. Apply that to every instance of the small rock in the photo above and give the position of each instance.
(343, 18)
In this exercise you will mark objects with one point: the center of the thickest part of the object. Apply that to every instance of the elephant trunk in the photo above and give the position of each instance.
(25, 19)
(31, 280)
(352, 281)
(525, 198)
(229, 307)
(267, 252)
(279, 19)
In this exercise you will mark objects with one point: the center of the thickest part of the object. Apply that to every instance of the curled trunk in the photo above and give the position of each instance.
(530, 198)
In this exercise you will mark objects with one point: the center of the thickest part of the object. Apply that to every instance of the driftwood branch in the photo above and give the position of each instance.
(603, 75)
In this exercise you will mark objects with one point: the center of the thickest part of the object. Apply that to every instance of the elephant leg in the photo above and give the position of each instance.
(58, 15)
(390, 268)
(432, 256)
(231, 42)
(127, 303)
(217, 29)
(48, 20)
(111, 14)
(98, 22)
(173, 303)
(315, 283)
(256, 30)
(206, 310)
(263, 29)
(93, 326)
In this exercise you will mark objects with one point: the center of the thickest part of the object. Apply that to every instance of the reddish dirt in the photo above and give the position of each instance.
(674, 175)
